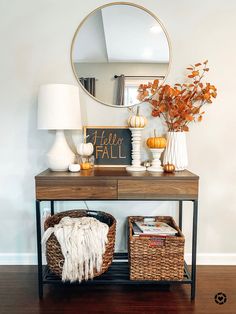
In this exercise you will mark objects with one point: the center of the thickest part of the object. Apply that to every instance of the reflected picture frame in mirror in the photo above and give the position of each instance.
(133, 79)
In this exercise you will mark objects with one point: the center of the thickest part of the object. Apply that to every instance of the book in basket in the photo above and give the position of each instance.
(153, 228)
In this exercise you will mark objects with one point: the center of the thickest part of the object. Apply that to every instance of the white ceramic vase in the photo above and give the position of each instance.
(176, 150)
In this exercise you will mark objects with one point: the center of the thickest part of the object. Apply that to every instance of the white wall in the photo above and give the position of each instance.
(35, 47)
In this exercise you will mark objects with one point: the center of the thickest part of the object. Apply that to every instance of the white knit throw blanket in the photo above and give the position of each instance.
(82, 242)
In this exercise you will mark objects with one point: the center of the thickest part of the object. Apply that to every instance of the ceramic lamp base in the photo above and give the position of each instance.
(60, 155)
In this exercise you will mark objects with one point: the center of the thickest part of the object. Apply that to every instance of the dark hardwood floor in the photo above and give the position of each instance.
(18, 295)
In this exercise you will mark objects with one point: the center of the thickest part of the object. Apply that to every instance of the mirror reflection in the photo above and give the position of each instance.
(117, 48)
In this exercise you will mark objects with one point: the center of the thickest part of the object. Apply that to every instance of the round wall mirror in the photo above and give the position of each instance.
(116, 48)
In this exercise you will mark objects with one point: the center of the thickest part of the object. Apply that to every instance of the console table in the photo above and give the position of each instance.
(117, 184)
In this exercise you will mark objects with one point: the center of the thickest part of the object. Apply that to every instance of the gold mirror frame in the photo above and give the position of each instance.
(104, 6)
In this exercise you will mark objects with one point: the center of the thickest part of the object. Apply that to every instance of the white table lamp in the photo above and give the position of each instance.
(59, 109)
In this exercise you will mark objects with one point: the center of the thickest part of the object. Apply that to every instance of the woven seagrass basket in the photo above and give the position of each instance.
(156, 257)
(54, 256)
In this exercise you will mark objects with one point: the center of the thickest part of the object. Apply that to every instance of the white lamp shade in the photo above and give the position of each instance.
(59, 107)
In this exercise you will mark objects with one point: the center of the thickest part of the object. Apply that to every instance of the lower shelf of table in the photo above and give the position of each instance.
(118, 273)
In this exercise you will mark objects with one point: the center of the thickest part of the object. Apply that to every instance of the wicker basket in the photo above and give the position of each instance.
(55, 259)
(156, 257)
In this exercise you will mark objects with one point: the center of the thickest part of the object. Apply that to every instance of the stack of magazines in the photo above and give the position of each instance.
(151, 227)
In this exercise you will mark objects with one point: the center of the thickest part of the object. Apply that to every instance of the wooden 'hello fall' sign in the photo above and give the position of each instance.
(112, 145)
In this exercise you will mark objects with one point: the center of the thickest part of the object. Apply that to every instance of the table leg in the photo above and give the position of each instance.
(52, 207)
(194, 249)
(180, 214)
(39, 248)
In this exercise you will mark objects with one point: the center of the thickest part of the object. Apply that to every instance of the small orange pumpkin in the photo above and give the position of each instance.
(170, 168)
(85, 165)
(156, 141)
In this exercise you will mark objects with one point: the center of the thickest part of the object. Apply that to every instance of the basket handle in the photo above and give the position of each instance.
(157, 241)
(61, 263)
(92, 212)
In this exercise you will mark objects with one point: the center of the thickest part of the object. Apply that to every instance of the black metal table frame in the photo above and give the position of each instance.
(44, 276)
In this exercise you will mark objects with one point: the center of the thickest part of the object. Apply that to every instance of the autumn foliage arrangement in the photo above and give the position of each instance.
(181, 104)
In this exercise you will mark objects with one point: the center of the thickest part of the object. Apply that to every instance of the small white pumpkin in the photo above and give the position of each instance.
(85, 149)
(137, 121)
(74, 167)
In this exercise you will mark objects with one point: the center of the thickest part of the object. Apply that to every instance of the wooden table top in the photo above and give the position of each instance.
(113, 173)
(115, 183)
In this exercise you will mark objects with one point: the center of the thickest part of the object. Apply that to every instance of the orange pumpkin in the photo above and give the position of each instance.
(156, 141)
(85, 165)
(170, 168)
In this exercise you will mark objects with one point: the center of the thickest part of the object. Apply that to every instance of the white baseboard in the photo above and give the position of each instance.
(18, 259)
(213, 259)
(202, 259)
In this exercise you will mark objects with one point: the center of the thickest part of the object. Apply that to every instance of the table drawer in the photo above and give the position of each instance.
(72, 190)
(163, 189)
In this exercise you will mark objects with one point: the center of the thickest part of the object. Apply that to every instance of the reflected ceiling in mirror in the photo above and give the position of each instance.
(116, 48)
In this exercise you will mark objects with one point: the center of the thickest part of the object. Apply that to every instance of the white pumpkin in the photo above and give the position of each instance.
(137, 121)
(85, 149)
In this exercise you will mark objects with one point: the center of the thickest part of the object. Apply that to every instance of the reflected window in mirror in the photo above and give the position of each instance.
(131, 88)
